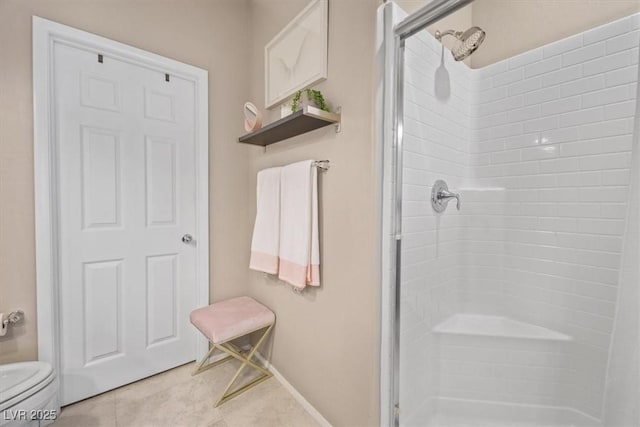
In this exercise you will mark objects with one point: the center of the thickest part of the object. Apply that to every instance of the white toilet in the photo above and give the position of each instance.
(28, 394)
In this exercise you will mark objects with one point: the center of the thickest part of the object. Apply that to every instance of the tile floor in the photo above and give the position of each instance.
(175, 398)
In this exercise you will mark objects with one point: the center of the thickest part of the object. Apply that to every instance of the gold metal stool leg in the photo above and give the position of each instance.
(199, 367)
(246, 361)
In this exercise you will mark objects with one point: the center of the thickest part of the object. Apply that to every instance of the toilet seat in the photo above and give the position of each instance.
(19, 381)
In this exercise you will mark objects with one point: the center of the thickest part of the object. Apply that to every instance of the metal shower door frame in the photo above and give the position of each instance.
(412, 24)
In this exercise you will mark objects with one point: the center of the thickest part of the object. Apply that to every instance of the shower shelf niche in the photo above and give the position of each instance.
(302, 121)
(496, 326)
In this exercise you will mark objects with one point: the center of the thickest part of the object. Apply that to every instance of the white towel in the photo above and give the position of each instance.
(265, 244)
(299, 244)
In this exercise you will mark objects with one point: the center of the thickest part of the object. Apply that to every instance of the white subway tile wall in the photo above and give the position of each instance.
(539, 148)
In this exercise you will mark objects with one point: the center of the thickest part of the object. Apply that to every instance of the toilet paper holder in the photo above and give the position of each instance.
(9, 319)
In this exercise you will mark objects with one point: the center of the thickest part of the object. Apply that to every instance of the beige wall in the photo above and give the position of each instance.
(199, 32)
(326, 340)
(514, 27)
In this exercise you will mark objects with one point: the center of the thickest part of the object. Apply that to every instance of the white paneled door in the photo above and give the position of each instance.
(126, 201)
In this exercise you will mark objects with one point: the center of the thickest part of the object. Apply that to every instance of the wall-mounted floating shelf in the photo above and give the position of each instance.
(302, 121)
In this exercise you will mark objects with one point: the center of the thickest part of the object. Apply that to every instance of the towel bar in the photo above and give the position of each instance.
(322, 164)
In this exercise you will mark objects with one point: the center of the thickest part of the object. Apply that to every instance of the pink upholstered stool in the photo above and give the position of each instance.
(225, 321)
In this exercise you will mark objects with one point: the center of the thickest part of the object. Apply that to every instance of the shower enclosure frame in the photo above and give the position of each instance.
(392, 65)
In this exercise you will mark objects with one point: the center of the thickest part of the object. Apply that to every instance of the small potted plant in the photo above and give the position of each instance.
(313, 97)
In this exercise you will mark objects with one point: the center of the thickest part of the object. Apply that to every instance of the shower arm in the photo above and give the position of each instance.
(439, 35)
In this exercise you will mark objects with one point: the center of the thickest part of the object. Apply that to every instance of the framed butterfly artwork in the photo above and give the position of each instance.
(296, 58)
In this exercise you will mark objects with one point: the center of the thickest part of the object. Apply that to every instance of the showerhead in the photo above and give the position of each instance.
(469, 41)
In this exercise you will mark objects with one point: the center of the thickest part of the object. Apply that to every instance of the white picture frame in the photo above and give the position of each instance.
(296, 58)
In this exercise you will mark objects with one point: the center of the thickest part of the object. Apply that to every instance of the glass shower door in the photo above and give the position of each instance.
(521, 307)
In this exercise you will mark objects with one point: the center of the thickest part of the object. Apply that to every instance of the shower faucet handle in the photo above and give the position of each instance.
(440, 196)
(446, 195)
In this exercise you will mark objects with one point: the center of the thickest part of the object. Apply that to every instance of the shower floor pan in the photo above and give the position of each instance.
(460, 413)
(501, 372)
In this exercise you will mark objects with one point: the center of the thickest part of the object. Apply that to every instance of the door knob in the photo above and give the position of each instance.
(187, 238)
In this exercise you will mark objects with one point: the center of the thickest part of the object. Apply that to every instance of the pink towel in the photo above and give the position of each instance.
(265, 244)
(299, 243)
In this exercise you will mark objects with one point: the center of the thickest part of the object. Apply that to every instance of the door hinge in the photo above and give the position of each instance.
(396, 410)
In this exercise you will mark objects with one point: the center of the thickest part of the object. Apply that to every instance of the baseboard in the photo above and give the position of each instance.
(315, 414)
(296, 395)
